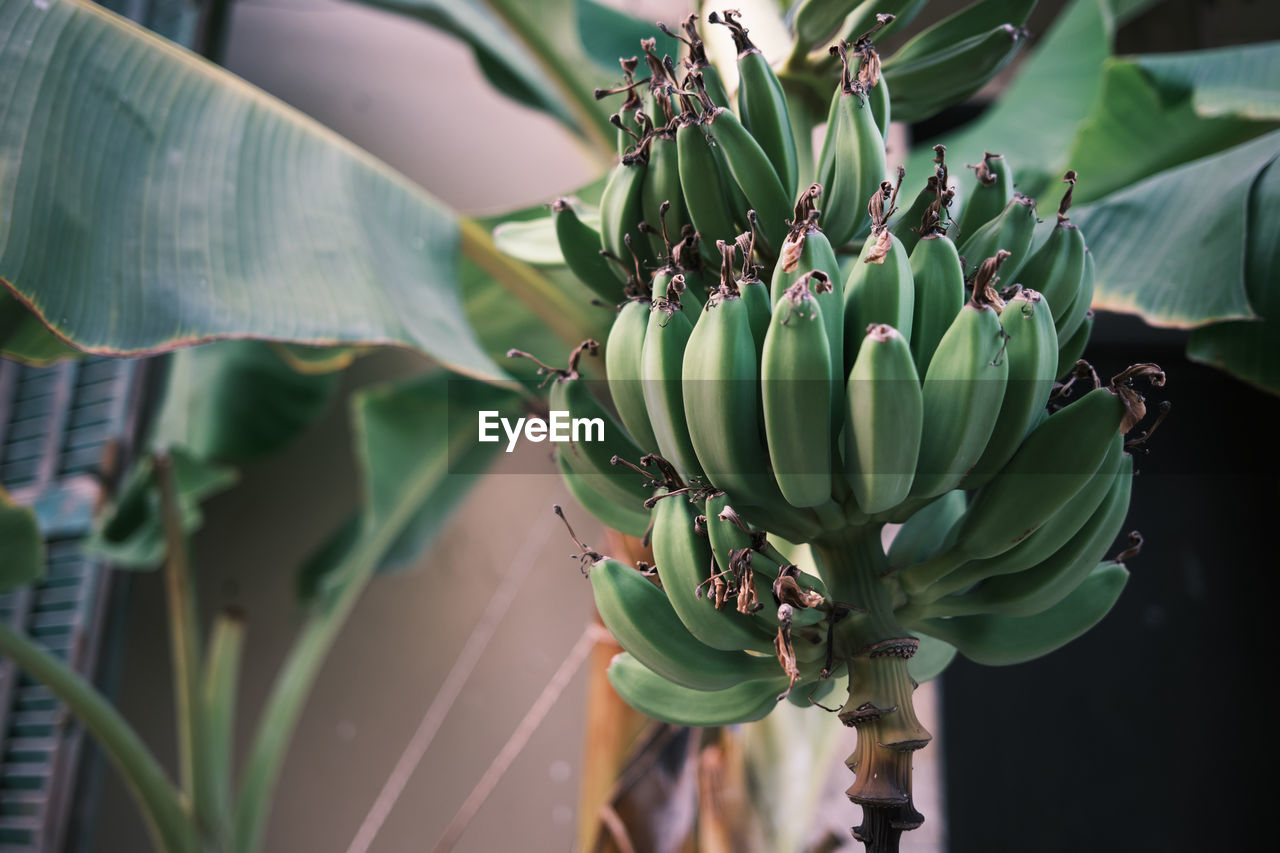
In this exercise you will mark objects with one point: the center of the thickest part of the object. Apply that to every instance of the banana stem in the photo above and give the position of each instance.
(875, 647)
(184, 627)
(161, 805)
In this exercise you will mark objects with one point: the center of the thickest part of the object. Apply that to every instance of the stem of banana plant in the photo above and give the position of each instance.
(221, 679)
(184, 645)
(875, 648)
(160, 803)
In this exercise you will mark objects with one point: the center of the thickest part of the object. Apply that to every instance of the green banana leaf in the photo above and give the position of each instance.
(23, 560)
(130, 532)
(150, 200)
(1172, 247)
(549, 56)
(1139, 128)
(1251, 350)
(233, 401)
(414, 441)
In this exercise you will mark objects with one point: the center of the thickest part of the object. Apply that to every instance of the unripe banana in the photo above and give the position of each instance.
(950, 570)
(696, 62)
(1054, 462)
(938, 279)
(884, 412)
(926, 81)
(881, 107)
(796, 376)
(805, 249)
(929, 212)
(1055, 269)
(626, 518)
(988, 194)
(1032, 350)
(852, 162)
(880, 289)
(1080, 306)
(752, 172)
(642, 620)
(963, 388)
(622, 354)
(661, 699)
(728, 531)
(1001, 640)
(622, 207)
(662, 184)
(685, 564)
(925, 533)
(1071, 350)
(931, 658)
(592, 460)
(705, 194)
(661, 364)
(722, 405)
(1040, 587)
(1011, 231)
(762, 103)
(580, 246)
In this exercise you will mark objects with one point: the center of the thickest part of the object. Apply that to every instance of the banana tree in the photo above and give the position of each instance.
(233, 217)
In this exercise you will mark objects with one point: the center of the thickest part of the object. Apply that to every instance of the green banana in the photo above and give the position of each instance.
(929, 212)
(580, 245)
(754, 292)
(662, 186)
(662, 699)
(994, 640)
(622, 206)
(738, 548)
(1054, 462)
(696, 62)
(642, 620)
(795, 378)
(1032, 350)
(1071, 350)
(925, 83)
(962, 390)
(950, 570)
(721, 398)
(805, 249)
(589, 459)
(890, 14)
(762, 103)
(1058, 265)
(1011, 231)
(925, 532)
(990, 191)
(931, 658)
(852, 162)
(684, 562)
(751, 169)
(625, 518)
(622, 354)
(938, 279)
(705, 194)
(1081, 305)
(880, 290)
(883, 423)
(1036, 589)
(661, 363)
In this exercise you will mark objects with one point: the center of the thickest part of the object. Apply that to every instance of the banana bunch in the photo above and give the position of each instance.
(796, 364)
